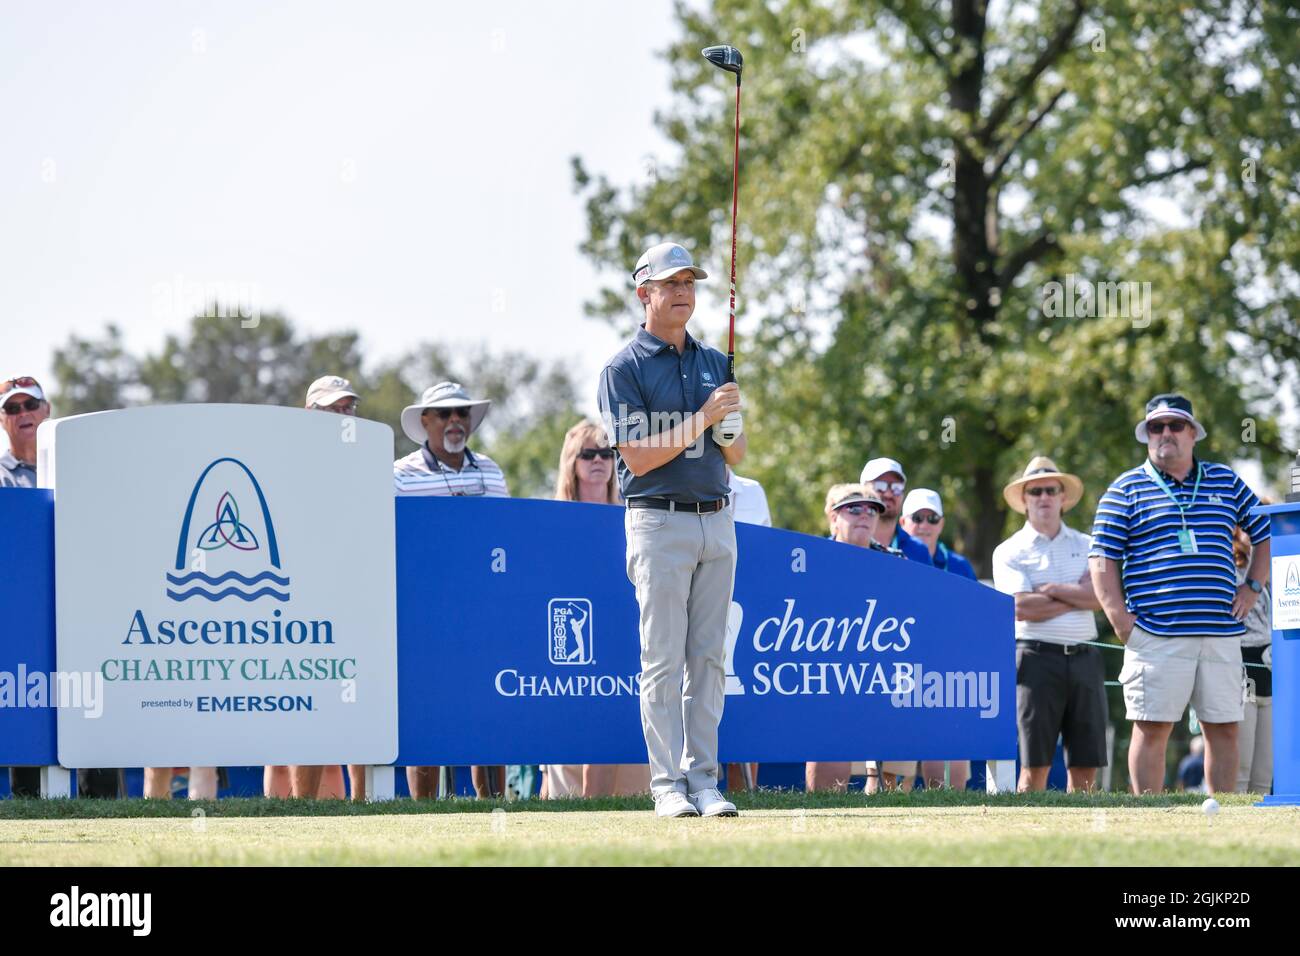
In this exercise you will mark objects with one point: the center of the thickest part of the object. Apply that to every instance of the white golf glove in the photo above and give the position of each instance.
(728, 430)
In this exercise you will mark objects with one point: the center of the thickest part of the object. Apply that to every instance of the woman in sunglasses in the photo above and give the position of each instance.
(586, 474)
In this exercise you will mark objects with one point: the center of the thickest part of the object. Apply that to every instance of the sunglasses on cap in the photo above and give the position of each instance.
(590, 454)
(22, 381)
(17, 408)
(446, 413)
(858, 508)
(1175, 426)
(895, 486)
(931, 518)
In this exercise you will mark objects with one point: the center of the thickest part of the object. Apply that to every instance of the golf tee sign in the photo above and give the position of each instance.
(207, 572)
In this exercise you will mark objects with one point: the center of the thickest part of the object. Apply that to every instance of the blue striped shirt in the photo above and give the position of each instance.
(1174, 593)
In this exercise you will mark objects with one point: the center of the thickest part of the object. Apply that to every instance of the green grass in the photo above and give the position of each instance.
(941, 828)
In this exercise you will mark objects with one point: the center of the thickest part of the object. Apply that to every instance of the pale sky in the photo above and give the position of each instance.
(400, 168)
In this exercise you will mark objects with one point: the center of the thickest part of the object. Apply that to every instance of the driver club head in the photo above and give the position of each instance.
(725, 58)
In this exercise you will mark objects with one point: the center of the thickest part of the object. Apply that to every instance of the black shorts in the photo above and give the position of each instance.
(1065, 695)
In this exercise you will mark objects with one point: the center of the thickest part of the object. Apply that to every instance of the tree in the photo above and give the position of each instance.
(220, 360)
(917, 178)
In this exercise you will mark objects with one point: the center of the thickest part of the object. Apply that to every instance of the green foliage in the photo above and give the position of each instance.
(220, 360)
(913, 175)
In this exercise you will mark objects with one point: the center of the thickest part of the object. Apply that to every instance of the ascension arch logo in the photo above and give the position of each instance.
(227, 546)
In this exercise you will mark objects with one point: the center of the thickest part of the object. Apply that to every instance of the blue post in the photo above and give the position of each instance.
(1284, 519)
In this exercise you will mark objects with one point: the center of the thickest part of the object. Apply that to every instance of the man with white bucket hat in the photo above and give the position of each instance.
(441, 423)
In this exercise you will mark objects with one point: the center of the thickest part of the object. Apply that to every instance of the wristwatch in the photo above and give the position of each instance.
(1254, 585)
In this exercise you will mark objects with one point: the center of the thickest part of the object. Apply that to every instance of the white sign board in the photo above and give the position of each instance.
(1285, 583)
(229, 571)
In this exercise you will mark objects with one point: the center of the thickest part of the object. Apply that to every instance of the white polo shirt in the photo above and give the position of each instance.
(420, 473)
(749, 501)
(1027, 559)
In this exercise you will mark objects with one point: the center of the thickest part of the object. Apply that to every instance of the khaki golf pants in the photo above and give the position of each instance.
(683, 567)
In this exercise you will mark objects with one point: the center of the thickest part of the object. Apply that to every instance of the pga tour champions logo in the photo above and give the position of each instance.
(227, 546)
(568, 639)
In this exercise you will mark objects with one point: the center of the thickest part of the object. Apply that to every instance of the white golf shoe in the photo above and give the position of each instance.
(710, 803)
(674, 804)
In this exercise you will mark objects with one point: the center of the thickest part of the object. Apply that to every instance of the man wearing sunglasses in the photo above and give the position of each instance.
(441, 423)
(22, 408)
(923, 519)
(885, 478)
(1060, 678)
(1175, 602)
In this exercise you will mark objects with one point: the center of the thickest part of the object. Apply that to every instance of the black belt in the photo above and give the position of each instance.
(1069, 650)
(667, 504)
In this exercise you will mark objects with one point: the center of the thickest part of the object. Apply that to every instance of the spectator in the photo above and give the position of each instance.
(329, 393)
(748, 500)
(1060, 678)
(749, 506)
(1177, 607)
(23, 407)
(923, 519)
(441, 422)
(1255, 735)
(851, 514)
(586, 473)
(885, 477)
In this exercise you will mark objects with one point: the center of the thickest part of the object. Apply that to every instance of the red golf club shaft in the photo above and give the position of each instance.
(735, 194)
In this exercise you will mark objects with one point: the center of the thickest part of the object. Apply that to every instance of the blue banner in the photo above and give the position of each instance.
(518, 643)
(28, 687)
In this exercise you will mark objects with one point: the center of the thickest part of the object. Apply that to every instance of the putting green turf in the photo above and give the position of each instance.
(787, 829)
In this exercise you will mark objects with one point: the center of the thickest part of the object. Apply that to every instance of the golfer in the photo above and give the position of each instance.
(675, 422)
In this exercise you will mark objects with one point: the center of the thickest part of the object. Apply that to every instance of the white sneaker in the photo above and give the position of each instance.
(710, 803)
(674, 804)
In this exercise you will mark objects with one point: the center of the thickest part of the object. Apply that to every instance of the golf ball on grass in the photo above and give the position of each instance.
(1210, 807)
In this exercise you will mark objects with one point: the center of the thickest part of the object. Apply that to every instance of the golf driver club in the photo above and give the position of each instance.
(728, 58)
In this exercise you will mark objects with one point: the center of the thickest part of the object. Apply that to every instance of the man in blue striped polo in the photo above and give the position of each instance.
(1176, 605)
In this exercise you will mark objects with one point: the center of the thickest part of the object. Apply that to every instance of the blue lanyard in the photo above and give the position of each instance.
(1182, 508)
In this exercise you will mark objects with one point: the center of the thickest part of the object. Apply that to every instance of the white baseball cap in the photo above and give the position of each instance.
(22, 385)
(327, 390)
(880, 466)
(664, 260)
(918, 499)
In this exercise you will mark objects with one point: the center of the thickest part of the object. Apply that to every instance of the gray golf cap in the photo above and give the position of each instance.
(664, 260)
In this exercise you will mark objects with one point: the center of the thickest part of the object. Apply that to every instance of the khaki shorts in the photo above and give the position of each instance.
(1162, 675)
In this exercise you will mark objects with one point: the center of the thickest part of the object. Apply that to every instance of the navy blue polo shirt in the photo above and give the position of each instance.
(650, 388)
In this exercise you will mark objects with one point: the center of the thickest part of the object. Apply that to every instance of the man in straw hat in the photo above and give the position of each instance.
(1060, 679)
(1177, 606)
(441, 423)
